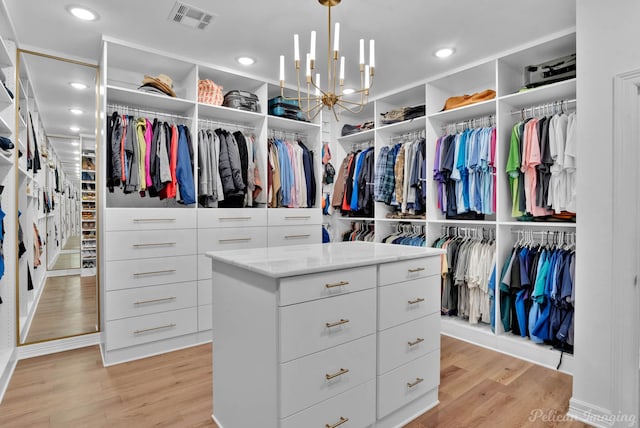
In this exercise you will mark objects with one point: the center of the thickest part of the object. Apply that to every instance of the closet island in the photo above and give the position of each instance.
(325, 335)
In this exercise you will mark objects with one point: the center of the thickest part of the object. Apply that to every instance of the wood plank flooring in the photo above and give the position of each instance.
(479, 388)
(67, 307)
(67, 261)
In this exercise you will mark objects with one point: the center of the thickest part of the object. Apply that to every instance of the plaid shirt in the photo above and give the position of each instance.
(384, 176)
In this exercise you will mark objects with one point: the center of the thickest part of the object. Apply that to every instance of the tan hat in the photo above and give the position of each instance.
(162, 82)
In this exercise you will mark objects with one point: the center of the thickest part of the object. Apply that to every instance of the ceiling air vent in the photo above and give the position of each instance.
(191, 16)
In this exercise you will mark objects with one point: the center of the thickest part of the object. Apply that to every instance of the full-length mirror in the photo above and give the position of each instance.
(57, 285)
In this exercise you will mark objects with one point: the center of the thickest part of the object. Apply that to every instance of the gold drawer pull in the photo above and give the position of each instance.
(144, 302)
(420, 269)
(337, 323)
(159, 244)
(157, 272)
(234, 240)
(337, 284)
(296, 236)
(151, 220)
(146, 330)
(297, 217)
(234, 218)
(415, 342)
(418, 300)
(340, 373)
(337, 424)
(418, 380)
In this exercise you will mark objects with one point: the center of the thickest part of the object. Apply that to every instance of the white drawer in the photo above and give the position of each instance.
(304, 380)
(232, 217)
(205, 291)
(294, 235)
(303, 288)
(236, 238)
(149, 328)
(357, 406)
(149, 218)
(408, 382)
(408, 301)
(404, 270)
(141, 273)
(150, 300)
(294, 216)
(321, 324)
(406, 342)
(149, 244)
(205, 317)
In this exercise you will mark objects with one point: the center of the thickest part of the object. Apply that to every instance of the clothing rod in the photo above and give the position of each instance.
(126, 109)
(482, 119)
(542, 232)
(223, 124)
(557, 103)
(273, 131)
(416, 134)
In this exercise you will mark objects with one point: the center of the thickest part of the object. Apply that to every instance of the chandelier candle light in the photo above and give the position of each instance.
(330, 97)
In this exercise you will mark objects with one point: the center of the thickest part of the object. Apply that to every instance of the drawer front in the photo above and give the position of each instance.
(321, 324)
(294, 235)
(408, 301)
(231, 239)
(142, 273)
(303, 288)
(294, 216)
(205, 291)
(150, 300)
(149, 328)
(356, 407)
(408, 382)
(406, 342)
(405, 270)
(232, 217)
(304, 380)
(149, 219)
(205, 317)
(149, 244)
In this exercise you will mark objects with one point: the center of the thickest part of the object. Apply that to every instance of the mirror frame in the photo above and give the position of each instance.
(97, 148)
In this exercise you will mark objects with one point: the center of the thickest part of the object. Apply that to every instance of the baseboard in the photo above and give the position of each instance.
(6, 374)
(597, 416)
(216, 421)
(59, 345)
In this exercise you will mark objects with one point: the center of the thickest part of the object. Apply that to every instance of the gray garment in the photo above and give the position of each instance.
(205, 184)
(116, 138)
(163, 155)
(213, 163)
(230, 173)
(132, 152)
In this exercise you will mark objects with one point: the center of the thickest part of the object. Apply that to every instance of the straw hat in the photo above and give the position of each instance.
(162, 82)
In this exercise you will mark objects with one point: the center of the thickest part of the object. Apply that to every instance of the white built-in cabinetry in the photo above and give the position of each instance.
(503, 74)
(153, 250)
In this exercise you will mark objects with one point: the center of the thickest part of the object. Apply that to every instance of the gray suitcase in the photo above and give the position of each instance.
(556, 70)
(242, 100)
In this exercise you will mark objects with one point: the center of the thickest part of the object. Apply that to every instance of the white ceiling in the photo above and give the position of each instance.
(407, 32)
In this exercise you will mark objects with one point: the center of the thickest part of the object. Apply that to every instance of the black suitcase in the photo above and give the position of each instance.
(242, 100)
(556, 70)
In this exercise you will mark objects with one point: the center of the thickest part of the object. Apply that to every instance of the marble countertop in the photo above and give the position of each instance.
(280, 262)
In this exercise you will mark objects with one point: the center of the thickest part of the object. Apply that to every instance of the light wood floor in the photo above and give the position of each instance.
(73, 243)
(67, 307)
(479, 388)
(67, 261)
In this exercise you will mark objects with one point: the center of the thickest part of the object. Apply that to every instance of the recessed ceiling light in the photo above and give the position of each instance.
(444, 52)
(82, 13)
(74, 128)
(75, 143)
(77, 85)
(76, 111)
(245, 60)
(348, 91)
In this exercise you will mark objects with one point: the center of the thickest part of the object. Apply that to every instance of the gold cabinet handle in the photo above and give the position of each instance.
(337, 424)
(337, 323)
(144, 302)
(296, 236)
(147, 330)
(418, 300)
(337, 284)
(340, 373)
(415, 342)
(159, 244)
(157, 272)
(234, 240)
(297, 217)
(234, 218)
(420, 269)
(153, 220)
(417, 381)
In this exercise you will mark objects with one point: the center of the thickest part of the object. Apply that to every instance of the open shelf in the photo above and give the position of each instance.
(358, 137)
(544, 94)
(471, 111)
(410, 125)
(281, 123)
(156, 103)
(231, 115)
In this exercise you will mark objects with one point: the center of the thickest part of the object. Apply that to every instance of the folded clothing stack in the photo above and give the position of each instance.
(402, 114)
(352, 129)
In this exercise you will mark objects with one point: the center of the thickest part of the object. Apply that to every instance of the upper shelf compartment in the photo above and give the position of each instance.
(559, 91)
(152, 102)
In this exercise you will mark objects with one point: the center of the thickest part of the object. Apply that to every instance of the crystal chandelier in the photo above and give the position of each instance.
(332, 97)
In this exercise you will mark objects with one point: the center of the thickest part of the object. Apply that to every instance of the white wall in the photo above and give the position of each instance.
(607, 44)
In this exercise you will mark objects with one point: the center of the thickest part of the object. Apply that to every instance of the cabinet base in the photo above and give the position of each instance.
(406, 414)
